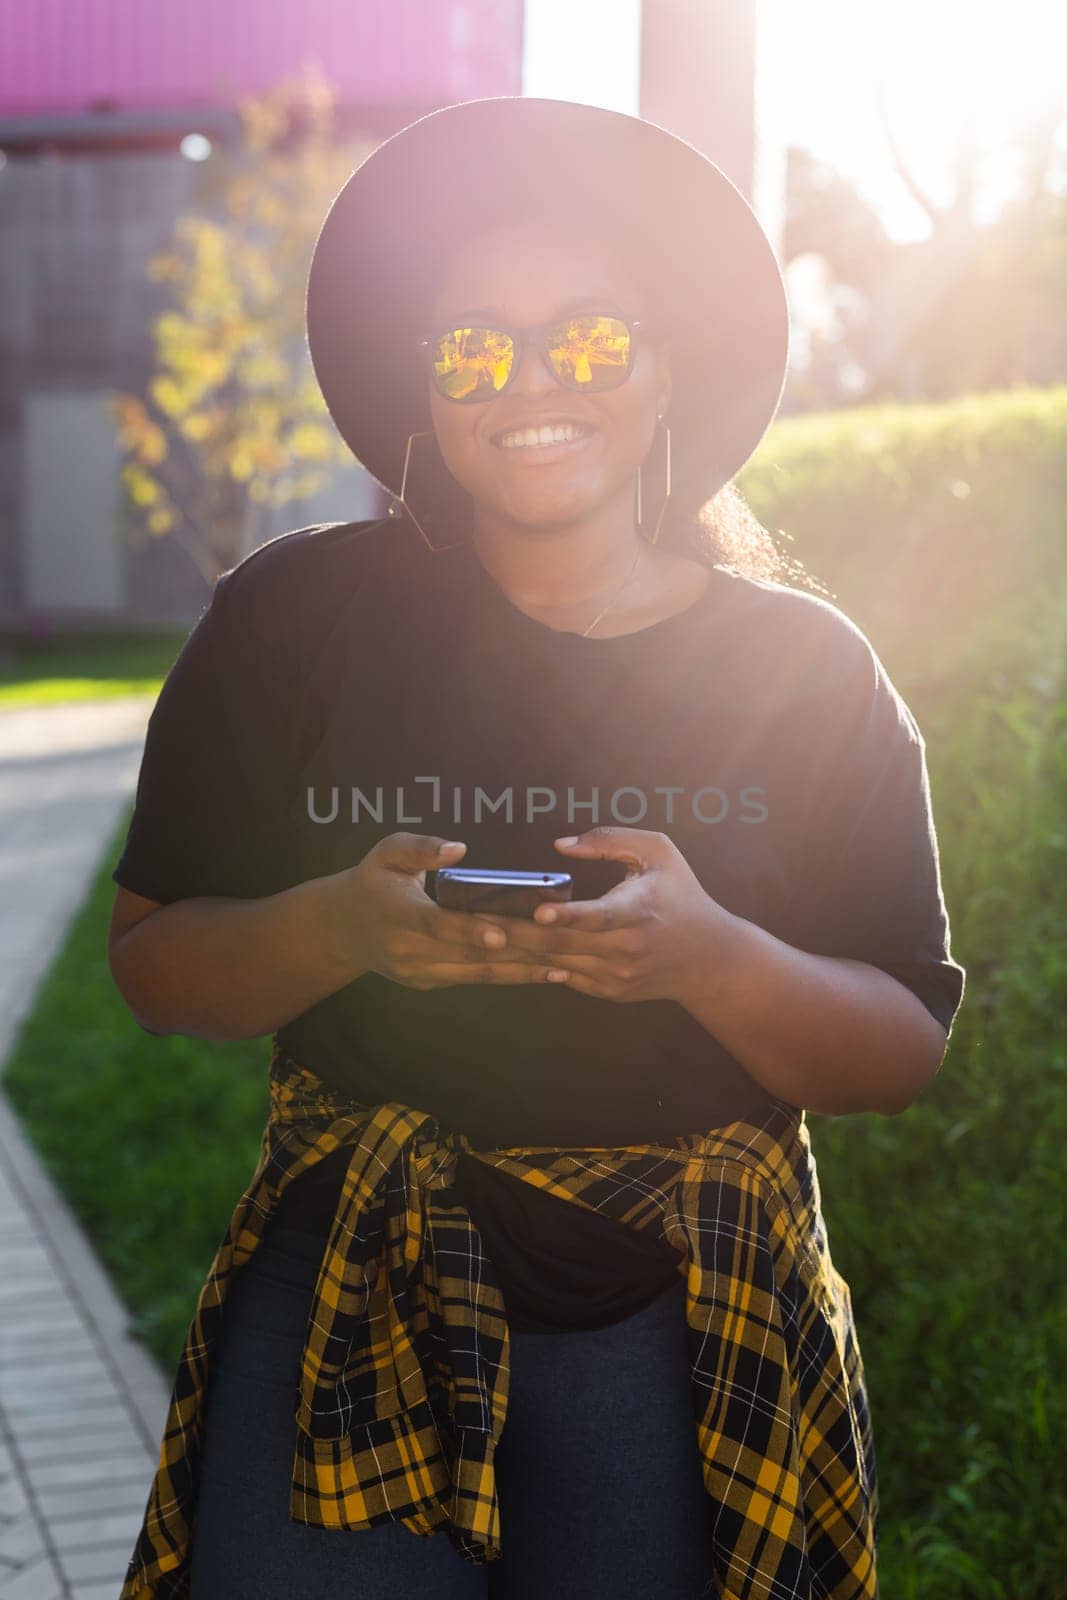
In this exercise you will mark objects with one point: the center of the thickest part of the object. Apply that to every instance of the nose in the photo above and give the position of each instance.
(532, 374)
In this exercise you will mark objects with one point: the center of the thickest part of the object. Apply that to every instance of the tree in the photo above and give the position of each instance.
(975, 306)
(232, 416)
(833, 239)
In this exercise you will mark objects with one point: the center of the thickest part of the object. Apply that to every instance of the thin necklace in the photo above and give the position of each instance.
(618, 592)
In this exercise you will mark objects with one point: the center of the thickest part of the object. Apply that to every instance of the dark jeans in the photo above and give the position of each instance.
(598, 1468)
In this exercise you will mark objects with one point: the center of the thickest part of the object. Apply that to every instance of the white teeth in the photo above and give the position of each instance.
(527, 438)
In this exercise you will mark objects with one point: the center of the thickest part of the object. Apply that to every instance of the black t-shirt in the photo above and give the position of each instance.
(346, 683)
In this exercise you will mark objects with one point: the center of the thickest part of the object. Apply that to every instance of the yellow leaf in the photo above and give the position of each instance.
(143, 489)
(197, 426)
(168, 396)
(309, 442)
(262, 369)
(212, 368)
(160, 521)
(170, 326)
(153, 444)
(271, 211)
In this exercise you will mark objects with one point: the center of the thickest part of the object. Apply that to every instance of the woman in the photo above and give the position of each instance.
(536, 1194)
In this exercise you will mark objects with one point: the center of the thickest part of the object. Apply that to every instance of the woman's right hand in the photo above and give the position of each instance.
(385, 922)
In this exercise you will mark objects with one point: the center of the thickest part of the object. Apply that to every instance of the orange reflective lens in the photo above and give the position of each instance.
(589, 352)
(472, 363)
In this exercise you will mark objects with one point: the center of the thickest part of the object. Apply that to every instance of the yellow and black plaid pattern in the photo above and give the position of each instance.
(403, 1389)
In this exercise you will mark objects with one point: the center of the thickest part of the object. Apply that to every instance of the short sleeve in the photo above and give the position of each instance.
(194, 825)
(868, 882)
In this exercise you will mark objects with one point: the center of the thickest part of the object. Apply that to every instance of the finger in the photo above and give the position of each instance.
(490, 971)
(528, 938)
(594, 976)
(608, 978)
(426, 949)
(593, 966)
(639, 847)
(467, 929)
(417, 852)
(581, 984)
(621, 906)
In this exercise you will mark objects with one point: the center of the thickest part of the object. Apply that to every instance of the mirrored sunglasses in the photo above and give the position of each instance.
(591, 352)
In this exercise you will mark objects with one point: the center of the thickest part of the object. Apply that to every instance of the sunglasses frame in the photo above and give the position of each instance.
(538, 338)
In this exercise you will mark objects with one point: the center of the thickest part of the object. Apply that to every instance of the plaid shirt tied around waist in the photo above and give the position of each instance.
(403, 1389)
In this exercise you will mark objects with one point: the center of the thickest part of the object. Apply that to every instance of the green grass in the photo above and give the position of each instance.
(948, 1221)
(152, 1140)
(84, 666)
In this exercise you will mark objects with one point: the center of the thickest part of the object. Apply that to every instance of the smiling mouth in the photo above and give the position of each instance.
(543, 444)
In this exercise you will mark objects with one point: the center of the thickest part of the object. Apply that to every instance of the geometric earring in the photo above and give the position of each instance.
(403, 486)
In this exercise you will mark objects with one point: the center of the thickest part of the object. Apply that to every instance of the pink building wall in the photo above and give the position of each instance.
(65, 56)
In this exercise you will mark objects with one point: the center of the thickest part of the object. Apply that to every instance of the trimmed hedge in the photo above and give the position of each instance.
(940, 532)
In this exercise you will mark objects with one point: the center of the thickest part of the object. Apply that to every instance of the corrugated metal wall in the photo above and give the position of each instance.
(77, 227)
(66, 55)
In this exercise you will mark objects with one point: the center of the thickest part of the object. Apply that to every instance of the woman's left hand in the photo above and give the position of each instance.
(647, 938)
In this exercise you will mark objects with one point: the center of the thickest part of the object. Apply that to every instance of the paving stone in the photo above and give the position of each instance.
(116, 1528)
(20, 1264)
(24, 1242)
(39, 1580)
(13, 1500)
(21, 1397)
(42, 1300)
(39, 1261)
(80, 1399)
(112, 1438)
(84, 1374)
(30, 1272)
(60, 1423)
(67, 1371)
(25, 1391)
(53, 1378)
(100, 1497)
(43, 1320)
(41, 1412)
(84, 1471)
(68, 1353)
(47, 1309)
(18, 1258)
(43, 1316)
(31, 1322)
(36, 1289)
(109, 1562)
(21, 1540)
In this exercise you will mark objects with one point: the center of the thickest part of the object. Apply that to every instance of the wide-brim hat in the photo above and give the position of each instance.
(386, 238)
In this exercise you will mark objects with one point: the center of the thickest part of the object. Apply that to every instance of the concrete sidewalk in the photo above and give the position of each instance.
(82, 1406)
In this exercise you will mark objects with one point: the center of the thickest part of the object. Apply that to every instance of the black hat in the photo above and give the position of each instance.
(704, 255)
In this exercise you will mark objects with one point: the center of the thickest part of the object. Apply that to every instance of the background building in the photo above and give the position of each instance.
(95, 99)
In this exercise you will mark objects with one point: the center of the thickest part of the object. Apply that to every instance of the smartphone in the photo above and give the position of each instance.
(512, 894)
